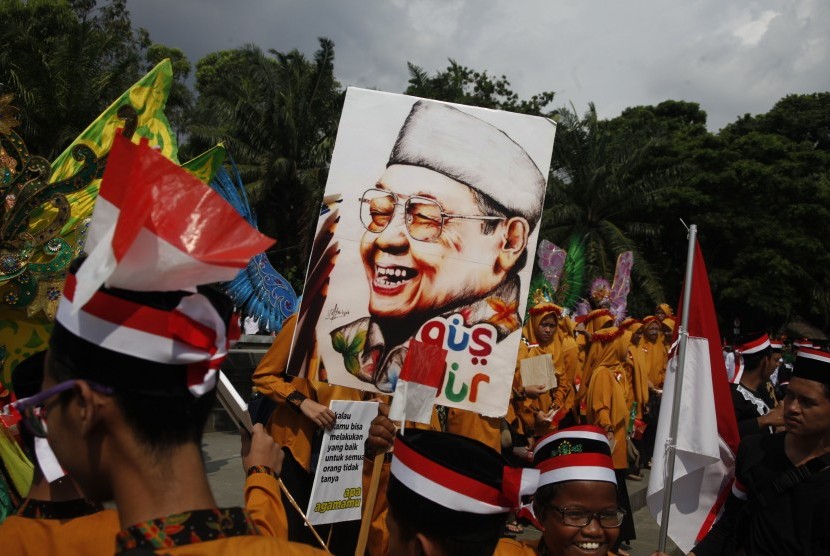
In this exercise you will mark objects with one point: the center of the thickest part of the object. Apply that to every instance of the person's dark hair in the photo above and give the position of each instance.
(154, 397)
(544, 496)
(752, 360)
(27, 378)
(484, 546)
(490, 207)
(161, 421)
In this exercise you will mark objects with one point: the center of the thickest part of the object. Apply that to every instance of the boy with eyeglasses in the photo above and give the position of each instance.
(576, 500)
(54, 518)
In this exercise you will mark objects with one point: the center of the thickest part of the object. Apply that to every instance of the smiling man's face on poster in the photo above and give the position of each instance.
(425, 249)
(436, 227)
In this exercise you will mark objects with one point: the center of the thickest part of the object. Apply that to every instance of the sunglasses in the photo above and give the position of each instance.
(424, 217)
(33, 409)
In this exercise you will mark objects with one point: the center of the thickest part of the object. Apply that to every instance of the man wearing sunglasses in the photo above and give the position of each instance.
(131, 373)
(446, 232)
(54, 518)
(129, 428)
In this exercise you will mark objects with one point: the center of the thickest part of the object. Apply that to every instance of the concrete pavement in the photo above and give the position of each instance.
(223, 463)
(227, 479)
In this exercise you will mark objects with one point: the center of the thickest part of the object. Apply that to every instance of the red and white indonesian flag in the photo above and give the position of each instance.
(421, 377)
(156, 227)
(707, 436)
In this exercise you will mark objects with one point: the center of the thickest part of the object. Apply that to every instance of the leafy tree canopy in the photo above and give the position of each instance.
(462, 85)
(65, 61)
(277, 113)
(759, 189)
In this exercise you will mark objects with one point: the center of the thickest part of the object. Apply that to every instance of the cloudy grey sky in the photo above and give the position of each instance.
(732, 57)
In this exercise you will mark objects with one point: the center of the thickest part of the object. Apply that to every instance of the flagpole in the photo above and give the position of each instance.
(671, 441)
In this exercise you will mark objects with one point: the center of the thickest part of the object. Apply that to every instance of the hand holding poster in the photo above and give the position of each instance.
(337, 494)
(441, 206)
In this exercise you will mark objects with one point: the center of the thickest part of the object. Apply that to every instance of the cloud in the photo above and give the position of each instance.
(731, 57)
(753, 31)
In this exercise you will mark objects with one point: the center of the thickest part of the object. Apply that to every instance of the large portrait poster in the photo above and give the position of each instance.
(438, 225)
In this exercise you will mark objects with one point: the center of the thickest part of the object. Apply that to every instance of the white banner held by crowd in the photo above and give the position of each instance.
(337, 494)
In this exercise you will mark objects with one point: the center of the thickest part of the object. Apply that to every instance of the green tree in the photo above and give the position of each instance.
(462, 85)
(598, 195)
(758, 191)
(665, 136)
(277, 113)
(65, 61)
(769, 186)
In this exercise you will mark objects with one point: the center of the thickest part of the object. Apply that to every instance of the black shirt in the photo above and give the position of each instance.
(749, 405)
(795, 522)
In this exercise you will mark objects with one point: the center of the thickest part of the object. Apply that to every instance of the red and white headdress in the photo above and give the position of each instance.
(450, 477)
(157, 233)
(754, 346)
(453, 487)
(574, 454)
(812, 364)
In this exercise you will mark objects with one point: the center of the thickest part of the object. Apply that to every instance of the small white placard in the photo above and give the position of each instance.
(337, 494)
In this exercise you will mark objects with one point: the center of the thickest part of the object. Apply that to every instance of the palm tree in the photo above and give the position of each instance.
(277, 114)
(593, 198)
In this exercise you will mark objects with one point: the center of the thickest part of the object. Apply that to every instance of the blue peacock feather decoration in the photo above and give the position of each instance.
(258, 290)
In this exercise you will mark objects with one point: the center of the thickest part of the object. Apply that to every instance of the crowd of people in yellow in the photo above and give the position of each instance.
(128, 429)
(125, 424)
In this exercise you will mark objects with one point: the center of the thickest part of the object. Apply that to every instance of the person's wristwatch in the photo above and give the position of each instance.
(261, 469)
(295, 400)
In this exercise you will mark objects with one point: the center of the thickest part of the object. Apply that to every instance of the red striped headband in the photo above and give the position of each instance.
(574, 454)
(546, 308)
(157, 229)
(759, 344)
(192, 334)
(812, 364)
(456, 491)
(649, 319)
(630, 321)
(595, 314)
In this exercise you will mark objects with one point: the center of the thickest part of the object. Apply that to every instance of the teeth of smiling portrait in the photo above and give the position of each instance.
(393, 275)
(588, 545)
